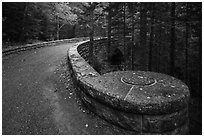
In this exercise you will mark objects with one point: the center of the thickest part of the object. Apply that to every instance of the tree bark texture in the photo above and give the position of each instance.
(143, 37)
(172, 46)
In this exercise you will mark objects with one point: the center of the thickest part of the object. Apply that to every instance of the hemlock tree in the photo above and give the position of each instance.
(90, 15)
(62, 14)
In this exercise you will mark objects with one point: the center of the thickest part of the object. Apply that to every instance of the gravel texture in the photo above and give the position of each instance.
(38, 97)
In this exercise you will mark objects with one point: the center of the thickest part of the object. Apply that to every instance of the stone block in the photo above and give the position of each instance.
(164, 123)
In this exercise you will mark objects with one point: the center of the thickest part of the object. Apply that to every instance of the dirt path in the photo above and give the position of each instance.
(38, 96)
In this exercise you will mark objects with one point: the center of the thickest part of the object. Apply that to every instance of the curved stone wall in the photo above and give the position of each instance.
(143, 102)
(39, 45)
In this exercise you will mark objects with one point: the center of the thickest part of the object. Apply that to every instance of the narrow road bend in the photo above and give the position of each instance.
(38, 96)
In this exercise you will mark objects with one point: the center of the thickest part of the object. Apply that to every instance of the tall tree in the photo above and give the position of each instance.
(90, 18)
(186, 43)
(124, 35)
(132, 12)
(200, 55)
(21, 18)
(109, 29)
(172, 46)
(91, 33)
(23, 23)
(158, 47)
(62, 14)
(143, 35)
(151, 37)
(109, 9)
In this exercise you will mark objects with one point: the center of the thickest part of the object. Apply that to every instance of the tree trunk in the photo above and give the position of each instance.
(57, 34)
(186, 45)
(73, 31)
(143, 36)
(200, 60)
(109, 33)
(124, 23)
(151, 39)
(91, 36)
(58, 27)
(23, 24)
(132, 45)
(159, 48)
(172, 47)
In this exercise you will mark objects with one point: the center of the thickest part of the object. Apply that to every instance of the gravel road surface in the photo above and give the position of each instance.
(38, 96)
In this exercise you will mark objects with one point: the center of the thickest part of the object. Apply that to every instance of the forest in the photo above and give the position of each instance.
(164, 37)
(161, 37)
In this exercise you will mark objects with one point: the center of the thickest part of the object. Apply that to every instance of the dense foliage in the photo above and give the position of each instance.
(161, 37)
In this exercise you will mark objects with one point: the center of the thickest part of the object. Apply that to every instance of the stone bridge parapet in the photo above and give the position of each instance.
(39, 45)
(139, 101)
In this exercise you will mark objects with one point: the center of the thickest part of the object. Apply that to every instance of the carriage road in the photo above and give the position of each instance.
(38, 96)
